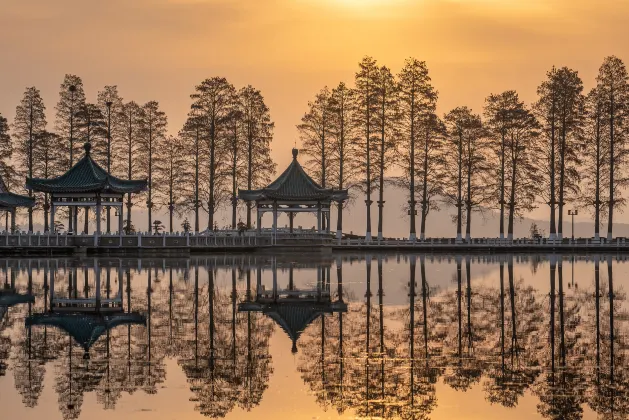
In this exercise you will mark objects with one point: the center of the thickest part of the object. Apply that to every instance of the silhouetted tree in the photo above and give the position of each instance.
(133, 121)
(258, 131)
(155, 124)
(171, 172)
(612, 84)
(417, 101)
(366, 109)
(465, 165)
(29, 123)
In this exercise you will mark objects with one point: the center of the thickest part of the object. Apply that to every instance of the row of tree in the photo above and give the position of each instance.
(227, 135)
(567, 147)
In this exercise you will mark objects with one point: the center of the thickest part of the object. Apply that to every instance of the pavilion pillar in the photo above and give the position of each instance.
(69, 219)
(13, 220)
(52, 217)
(339, 221)
(291, 216)
(98, 210)
(327, 221)
(259, 220)
(75, 219)
(86, 221)
(274, 221)
(319, 217)
(120, 221)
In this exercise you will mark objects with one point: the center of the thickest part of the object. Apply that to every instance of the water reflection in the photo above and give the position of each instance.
(375, 342)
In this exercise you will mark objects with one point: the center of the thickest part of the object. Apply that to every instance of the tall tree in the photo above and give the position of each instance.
(7, 171)
(111, 104)
(192, 136)
(570, 113)
(343, 168)
(47, 156)
(366, 110)
(171, 172)
(71, 99)
(417, 99)
(258, 132)
(498, 111)
(612, 83)
(314, 133)
(464, 165)
(387, 117)
(522, 179)
(212, 98)
(546, 109)
(431, 173)
(133, 122)
(154, 132)
(29, 123)
(594, 153)
(234, 149)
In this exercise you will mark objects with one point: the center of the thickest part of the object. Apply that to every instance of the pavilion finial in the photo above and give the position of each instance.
(295, 152)
(294, 349)
(87, 146)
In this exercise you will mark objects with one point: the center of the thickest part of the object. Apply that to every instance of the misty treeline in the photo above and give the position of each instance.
(224, 145)
(569, 147)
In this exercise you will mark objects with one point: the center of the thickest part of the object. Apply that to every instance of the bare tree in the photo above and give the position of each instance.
(417, 99)
(464, 165)
(171, 172)
(29, 123)
(212, 98)
(612, 83)
(365, 116)
(258, 131)
(387, 117)
(155, 123)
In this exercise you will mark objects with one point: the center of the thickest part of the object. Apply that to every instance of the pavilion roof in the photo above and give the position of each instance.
(85, 328)
(86, 176)
(11, 200)
(294, 184)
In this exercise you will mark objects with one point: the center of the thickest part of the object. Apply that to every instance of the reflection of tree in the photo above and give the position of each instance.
(518, 343)
(465, 362)
(609, 390)
(561, 388)
(219, 374)
(32, 348)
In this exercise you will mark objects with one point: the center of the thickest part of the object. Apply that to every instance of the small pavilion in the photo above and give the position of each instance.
(294, 191)
(9, 202)
(87, 185)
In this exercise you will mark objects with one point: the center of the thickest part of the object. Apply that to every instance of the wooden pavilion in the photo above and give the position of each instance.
(294, 191)
(87, 185)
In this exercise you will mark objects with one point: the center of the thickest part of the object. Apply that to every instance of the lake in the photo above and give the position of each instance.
(345, 336)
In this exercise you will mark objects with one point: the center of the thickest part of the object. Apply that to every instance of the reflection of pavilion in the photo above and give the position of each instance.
(294, 309)
(86, 318)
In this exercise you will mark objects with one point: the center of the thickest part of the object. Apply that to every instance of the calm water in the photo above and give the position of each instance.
(350, 336)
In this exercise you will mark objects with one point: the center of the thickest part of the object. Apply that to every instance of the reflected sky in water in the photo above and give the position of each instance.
(296, 337)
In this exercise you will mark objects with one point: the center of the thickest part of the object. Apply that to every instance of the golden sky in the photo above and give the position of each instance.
(289, 49)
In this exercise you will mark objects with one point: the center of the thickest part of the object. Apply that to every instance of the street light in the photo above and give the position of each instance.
(573, 213)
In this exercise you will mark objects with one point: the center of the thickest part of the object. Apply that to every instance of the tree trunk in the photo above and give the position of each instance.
(502, 185)
(459, 200)
(562, 175)
(422, 234)
(412, 231)
(212, 173)
(553, 228)
(610, 220)
(381, 183)
(597, 198)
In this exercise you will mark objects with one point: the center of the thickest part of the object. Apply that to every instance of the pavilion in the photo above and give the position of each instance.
(9, 202)
(294, 191)
(87, 185)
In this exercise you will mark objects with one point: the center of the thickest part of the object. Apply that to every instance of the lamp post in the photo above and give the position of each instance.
(573, 213)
